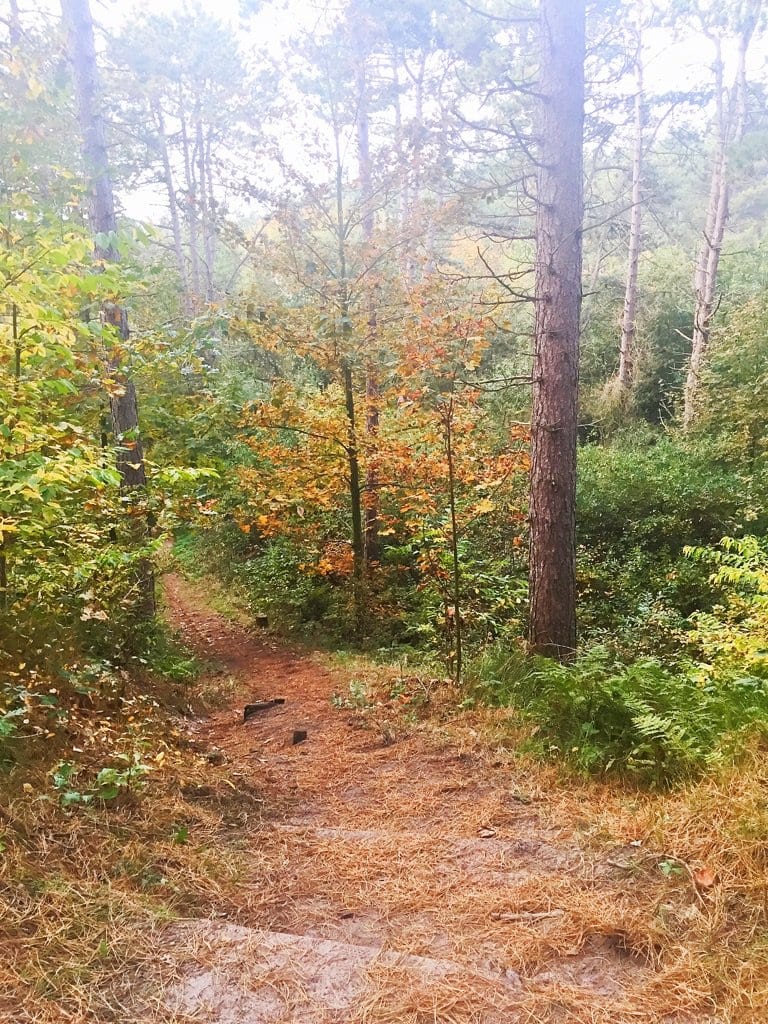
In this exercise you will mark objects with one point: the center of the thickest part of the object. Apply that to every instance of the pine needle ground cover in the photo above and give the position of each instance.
(401, 824)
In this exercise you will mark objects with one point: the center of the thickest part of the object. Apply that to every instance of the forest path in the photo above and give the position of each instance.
(408, 882)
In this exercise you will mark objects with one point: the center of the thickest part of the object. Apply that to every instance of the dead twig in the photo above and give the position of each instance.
(528, 915)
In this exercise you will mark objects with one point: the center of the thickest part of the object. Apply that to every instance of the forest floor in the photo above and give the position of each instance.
(421, 871)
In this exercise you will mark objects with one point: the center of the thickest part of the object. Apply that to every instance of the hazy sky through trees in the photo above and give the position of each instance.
(672, 64)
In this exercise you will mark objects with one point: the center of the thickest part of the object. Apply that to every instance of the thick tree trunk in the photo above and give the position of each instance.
(628, 344)
(122, 398)
(77, 16)
(556, 349)
(731, 124)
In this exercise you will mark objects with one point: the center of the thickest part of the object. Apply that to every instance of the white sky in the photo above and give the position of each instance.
(674, 64)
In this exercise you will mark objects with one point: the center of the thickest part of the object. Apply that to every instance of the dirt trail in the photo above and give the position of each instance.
(401, 882)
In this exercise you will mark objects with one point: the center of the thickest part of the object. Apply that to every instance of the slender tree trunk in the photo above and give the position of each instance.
(16, 351)
(14, 24)
(587, 302)
(405, 191)
(372, 389)
(628, 346)
(353, 450)
(212, 234)
(418, 140)
(173, 209)
(192, 219)
(3, 570)
(415, 211)
(205, 213)
(355, 489)
(705, 277)
(556, 348)
(457, 625)
(355, 498)
(731, 124)
(122, 399)
(4, 538)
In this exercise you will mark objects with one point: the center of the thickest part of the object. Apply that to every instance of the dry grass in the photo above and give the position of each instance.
(84, 892)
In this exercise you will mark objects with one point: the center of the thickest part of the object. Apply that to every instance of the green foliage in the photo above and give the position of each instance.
(659, 492)
(642, 498)
(163, 655)
(269, 577)
(733, 635)
(641, 720)
(276, 580)
(104, 785)
(356, 698)
(735, 385)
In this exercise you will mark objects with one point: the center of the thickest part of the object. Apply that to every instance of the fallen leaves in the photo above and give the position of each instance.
(703, 877)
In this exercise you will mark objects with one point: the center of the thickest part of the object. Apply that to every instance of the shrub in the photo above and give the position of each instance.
(733, 636)
(641, 720)
(658, 493)
(642, 500)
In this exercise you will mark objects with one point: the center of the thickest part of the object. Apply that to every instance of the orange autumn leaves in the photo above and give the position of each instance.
(429, 382)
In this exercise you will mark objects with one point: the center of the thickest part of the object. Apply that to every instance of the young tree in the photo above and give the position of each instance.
(629, 317)
(559, 222)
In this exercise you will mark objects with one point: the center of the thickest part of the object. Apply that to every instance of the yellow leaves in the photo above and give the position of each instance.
(89, 613)
(114, 389)
(70, 289)
(7, 526)
(299, 483)
(483, 507)
(35, 88)
(244, 527)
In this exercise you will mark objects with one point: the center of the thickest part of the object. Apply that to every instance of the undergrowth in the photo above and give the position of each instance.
(111, 824)
(85, 887)
(641, 719)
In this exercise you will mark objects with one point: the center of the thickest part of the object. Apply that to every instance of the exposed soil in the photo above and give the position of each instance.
(395, 881)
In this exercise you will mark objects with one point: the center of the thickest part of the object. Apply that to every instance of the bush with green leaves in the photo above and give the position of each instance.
(660, 492)
(640, 720)
(733, 635)
(642, 499)
(275, 580)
